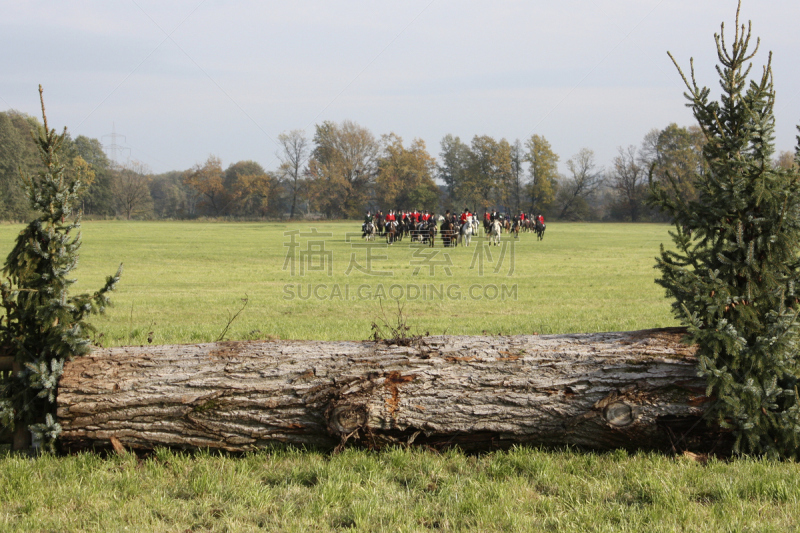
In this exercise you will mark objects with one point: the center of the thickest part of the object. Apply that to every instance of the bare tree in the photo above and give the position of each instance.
(293, 155)
(585, 177)
(627, 178)
(130, 190)
(517, 175)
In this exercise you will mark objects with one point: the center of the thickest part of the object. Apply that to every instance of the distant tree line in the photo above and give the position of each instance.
(344, 171)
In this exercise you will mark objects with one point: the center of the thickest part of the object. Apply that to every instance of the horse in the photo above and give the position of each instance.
(494, 233)
(399, 228)
(410, 227)
(391, 232)
(369, 231)
(507, 226)
(420, 230)
(465, 233)
(448, 237)
(539, 229)
(487, 225)
(515, 229)
(430, 233)
(417, 230)
(381, 226)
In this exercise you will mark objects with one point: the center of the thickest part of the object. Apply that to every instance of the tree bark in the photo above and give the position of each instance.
(634, 390)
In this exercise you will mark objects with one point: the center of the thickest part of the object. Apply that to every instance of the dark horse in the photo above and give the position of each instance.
(429, 232)
(391, 232)
(448, 233)
(539, 229)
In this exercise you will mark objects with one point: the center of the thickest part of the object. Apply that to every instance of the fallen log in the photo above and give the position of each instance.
(634, 390)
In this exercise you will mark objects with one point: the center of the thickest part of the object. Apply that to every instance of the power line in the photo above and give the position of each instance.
(113, 147)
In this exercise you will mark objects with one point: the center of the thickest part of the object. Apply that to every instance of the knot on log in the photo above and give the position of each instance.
(619, 414)
(345, 419)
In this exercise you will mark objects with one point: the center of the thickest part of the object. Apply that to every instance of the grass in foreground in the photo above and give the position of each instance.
(397, 490)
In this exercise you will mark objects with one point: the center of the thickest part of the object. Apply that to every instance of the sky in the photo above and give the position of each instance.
(179, 81)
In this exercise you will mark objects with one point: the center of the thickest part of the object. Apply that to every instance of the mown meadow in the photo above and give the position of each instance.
(183, 281)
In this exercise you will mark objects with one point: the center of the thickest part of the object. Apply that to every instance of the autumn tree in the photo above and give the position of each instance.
(250, 191)
(97, 198)
(674, 158)
(82, 154)
(405, 176)
(476, 187)
(503, 175)
(343, 166)
(208, 183)
(454, 164)
(543, 171)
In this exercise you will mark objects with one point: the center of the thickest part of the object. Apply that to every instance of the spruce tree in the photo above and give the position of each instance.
(735, 274)
(43, 325)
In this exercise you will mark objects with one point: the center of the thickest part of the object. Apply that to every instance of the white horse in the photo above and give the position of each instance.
(466, 232)
(369, 231)
(494, 233)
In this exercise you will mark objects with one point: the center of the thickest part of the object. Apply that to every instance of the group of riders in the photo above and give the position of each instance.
(423, 226)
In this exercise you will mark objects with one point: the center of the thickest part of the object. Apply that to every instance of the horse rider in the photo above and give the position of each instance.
(367, 220)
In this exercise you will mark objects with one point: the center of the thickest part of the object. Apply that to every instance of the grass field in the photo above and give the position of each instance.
(397, 490)
(182, 279)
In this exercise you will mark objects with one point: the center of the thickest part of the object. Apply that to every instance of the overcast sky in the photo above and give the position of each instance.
(182, 80)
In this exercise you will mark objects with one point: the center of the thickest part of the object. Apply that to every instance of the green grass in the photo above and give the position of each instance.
(183, 279)
(397, 490)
